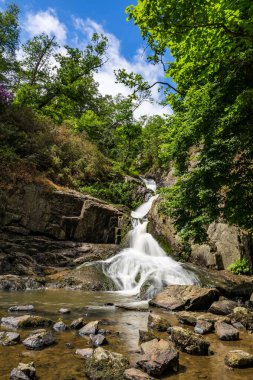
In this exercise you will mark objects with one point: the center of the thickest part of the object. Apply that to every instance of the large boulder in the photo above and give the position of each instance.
(223, 307)
(186, 341)
(242, 316)
(159, 357)
(157, 322)
(25, 321)
(225, 331)
(188, 297)
(9, 338)
(105, 365)
(239, 359)
(39, 340)
(23, 372)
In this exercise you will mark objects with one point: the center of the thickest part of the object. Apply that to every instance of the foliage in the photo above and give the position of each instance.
(209, 138)
(240, 267)
(5, 95)
(9, 33)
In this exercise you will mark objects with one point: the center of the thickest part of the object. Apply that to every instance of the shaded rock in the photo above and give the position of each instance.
(90, 329)
(203, 327)
(60, 326)
(9, 338)
(64, 311)
(239, 359)
(226, 331)
(84, 352)
(243, 316)
(135, 374)
(25, 321)
(39, 340)
(105, 365)
(21, 308)
(136, 306)
(78, 323)
(98, 340)
(186, 341)
(23, 372)
(145, 336)
(188, 297)
(159, 357)
(158, 323)
(222, 307)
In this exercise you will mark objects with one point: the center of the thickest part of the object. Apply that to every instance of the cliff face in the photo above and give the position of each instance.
(43, 229)
(225, 244)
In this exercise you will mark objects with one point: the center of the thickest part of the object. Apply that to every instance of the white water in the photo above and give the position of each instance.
(144, 262)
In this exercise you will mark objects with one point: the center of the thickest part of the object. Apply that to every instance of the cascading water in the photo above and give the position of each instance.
(144, 263)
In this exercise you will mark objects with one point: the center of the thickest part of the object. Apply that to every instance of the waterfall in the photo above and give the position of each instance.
(144, 263)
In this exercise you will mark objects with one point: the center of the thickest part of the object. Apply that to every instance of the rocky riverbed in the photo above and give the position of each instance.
(81, 335)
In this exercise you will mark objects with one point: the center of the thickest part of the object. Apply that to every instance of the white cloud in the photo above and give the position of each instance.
(45, 22)
(106, 78)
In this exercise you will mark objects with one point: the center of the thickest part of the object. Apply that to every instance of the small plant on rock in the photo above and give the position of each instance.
(240, 267)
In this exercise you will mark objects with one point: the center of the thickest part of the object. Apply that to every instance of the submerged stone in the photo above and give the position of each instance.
(21, 308)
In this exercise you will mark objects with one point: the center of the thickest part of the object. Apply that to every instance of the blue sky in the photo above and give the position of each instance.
(73, 21)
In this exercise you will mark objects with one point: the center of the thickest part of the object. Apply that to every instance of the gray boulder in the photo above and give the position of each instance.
(159, 357)
(23, 372)
(224, 331)
(98, 340)
(239, 359)
(39, 340)
(188, 297)
(90, 328)
(9, 338)
(157, 322)
(186, 341)
(60, 326)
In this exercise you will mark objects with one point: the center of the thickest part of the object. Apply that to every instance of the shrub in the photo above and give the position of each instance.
(240, 267)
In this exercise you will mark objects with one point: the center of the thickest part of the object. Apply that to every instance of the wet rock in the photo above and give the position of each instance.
(105, 365)
(136, 306)
(223, 307)
(25, 321)
(98, 340)
(90, 328)
(159, 357)
(146, 336)
(243, 316)
(9, 338)
(60, 326)
(64, 311)
(186, 341)
(21, 308)
(135, 374)
(78, 323)
(203, 327)
(158, 323)
(84, 352)
(39, 340)
(226, 331)
(239, 359)
(188, 297)
(23, 372)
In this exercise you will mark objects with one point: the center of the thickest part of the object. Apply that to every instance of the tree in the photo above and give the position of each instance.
(9, 34)
(60, 85)
(209, 139)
